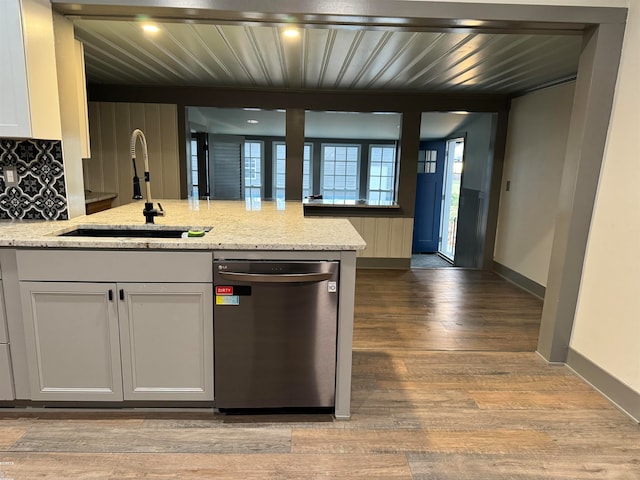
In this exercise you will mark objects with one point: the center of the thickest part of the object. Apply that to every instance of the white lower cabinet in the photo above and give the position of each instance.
(166, 337)
(6, 379)
(73, 343)
(115, 341)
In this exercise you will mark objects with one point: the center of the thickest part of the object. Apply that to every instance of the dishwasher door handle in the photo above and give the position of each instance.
(276, 278)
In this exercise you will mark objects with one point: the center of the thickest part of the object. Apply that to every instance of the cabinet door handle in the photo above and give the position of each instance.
(110, 295)
(122, 294)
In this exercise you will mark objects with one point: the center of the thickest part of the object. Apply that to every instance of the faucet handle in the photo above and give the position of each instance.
(161, 212)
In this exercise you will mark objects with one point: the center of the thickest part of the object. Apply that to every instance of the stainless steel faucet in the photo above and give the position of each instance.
(149, 212)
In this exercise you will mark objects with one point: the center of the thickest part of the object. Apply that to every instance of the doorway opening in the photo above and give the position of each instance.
(443, 137)
(454, 159)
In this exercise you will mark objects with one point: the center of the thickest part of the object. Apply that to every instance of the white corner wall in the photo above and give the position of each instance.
(67, 64)
(536, 144)
(607, 323)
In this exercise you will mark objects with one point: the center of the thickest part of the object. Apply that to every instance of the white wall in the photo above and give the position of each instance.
(536, 144)
(70, 108)
(607, 323)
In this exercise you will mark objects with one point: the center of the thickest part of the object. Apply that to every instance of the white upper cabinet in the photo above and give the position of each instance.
(14, 96)
(29, 106)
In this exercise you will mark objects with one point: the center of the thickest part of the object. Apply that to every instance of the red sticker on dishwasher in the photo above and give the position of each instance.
(224, 290)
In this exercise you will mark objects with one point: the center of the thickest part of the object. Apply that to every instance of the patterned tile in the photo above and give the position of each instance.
(40, 193)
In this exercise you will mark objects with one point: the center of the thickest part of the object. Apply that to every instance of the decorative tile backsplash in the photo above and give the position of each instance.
(40, 193)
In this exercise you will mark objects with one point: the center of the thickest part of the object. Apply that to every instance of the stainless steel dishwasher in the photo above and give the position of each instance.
(275, 326)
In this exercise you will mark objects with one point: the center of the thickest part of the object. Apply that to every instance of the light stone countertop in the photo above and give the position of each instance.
(236, 225)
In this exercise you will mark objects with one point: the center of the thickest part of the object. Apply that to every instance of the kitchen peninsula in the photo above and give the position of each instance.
(125, 321)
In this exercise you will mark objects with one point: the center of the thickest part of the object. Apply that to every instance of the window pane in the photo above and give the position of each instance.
(389, 154)
(329, 167)
(253, 169)
(306, 170)
(382, 172)
(340, 172)
(194, 166)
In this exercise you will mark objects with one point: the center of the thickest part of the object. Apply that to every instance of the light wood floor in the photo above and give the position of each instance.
(446, 385)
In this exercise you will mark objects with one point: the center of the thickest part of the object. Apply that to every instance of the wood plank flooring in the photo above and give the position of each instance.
(446, 385)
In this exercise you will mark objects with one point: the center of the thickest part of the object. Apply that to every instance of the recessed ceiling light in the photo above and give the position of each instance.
(291, 32)
(252, 121)
(150, 28)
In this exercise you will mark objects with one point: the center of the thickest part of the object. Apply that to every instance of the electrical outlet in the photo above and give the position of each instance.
(10, 176)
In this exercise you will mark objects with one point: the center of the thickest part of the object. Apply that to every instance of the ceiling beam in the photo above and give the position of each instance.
(410, 15)
(310, 100)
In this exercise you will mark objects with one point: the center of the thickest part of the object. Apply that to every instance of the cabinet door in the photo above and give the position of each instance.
(4, 338)
(166, 332)
(14, 100)
(6, 378)
(73, 346)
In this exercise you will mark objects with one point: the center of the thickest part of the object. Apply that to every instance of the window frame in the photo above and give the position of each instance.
(193, 168)
(358, 147)
(308, 161)
(244, 169)
(274, 167)
(394, 177)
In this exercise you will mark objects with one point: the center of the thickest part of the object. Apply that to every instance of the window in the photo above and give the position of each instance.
(252, 171)
(349, 168)
(279, 169)
(427, 161)
(339, 171)
(280, 165)
(306, 171)
(382, 173)
(194, 168)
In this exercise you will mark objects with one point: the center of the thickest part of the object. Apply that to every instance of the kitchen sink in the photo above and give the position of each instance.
(132, 232)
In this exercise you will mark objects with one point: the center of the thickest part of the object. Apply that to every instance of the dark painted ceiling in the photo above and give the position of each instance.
(325, 58)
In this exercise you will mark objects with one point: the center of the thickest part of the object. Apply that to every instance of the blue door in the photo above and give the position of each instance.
(426, 223)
